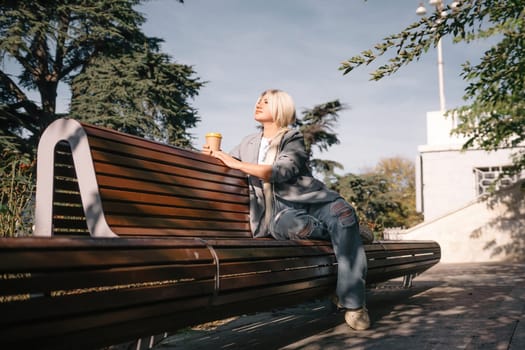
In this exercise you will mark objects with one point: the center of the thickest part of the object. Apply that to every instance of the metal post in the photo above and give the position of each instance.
(441, 78)
(421, 11)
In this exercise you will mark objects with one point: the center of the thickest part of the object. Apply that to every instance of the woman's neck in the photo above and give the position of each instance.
(270, 130)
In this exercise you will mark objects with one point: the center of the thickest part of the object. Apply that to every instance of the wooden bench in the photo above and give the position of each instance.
(133, 238)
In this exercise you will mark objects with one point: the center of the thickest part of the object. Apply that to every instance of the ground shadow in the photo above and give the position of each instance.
(450, 306)
(512, 222)
(279, 328)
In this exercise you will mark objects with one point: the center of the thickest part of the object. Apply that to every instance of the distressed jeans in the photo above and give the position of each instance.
(335, 221)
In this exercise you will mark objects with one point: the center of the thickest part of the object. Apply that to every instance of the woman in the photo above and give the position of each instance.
(287, 202)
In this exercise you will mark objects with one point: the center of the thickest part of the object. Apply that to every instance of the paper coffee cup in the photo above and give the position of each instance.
(213, 139)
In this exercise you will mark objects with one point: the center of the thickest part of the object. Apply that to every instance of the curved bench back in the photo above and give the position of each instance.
(106, 183)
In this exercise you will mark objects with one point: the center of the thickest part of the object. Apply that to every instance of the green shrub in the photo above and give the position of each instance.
(16, 194)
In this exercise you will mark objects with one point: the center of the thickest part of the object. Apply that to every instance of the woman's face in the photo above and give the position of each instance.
(262, 110)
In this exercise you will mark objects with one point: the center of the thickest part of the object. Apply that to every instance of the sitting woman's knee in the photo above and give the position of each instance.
(297, 224)
(344, 212)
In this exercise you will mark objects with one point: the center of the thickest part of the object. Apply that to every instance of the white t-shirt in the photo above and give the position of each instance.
(263, 149)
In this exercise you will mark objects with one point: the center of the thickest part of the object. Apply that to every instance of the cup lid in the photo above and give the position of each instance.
(213, 134)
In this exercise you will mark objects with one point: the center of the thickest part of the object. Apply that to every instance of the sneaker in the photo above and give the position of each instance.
(358, 319)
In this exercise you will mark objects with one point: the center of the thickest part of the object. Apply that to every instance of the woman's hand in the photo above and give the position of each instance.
(224, 157)
(228, 160)
(206, 149)
(262, 171)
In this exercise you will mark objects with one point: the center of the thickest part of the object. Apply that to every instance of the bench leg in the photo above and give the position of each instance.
(148, 342)
(407, 280)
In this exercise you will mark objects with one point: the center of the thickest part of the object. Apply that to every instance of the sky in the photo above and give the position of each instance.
(242, 47)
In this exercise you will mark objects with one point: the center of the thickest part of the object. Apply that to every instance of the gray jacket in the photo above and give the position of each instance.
(291, 176)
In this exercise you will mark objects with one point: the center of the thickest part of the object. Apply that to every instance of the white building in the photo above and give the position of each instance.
(448, 178)
(450, 184)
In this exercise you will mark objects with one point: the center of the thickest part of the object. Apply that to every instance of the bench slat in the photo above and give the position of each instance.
(229, 254)
(316, 287)
(138, 149)
(399, 261)
(70, 224)
(78, 279)
(110, 163)
(131, 198)
(243, 267)
(99, 301)
(123, 257)
(133, 187)
(186, 232)
(35, 254)
(174, 222)
(254, 281)
(181, 212)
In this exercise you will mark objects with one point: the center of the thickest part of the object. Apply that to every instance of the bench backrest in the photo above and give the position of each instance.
(134, 187)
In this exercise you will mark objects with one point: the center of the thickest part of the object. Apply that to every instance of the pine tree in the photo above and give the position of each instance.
(140, 93)
(118, 78)
(317, 126)
(44, 43)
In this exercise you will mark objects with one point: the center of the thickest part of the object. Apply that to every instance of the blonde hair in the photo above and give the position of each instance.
(282, 109)
(281, 105)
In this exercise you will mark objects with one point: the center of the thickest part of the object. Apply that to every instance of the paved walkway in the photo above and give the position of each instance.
(450, 306)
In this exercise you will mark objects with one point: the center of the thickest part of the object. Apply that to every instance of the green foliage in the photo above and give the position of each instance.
(140, 93)
(383, 197)
(317, 125)
(16, 192)
(493, 115)
(400, 173)
(54, 42)
(371, 196)
(51, 42)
